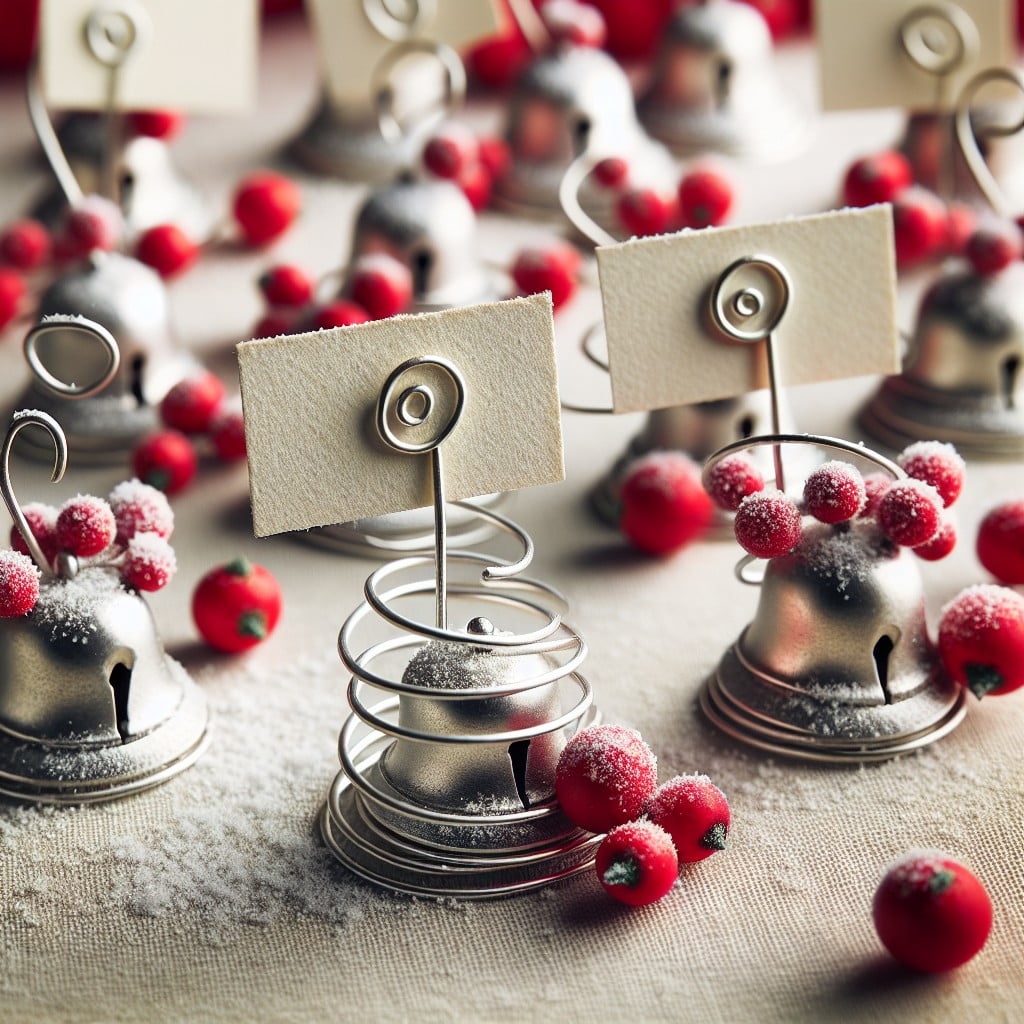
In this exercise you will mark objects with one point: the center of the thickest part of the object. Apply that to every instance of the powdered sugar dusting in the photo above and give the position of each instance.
(68, 606)
(980, 610)
(611, 755)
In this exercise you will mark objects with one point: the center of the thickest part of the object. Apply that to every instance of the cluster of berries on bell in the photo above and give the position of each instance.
(454, 153)
(196, 420)
(129, 532)
(607, 781)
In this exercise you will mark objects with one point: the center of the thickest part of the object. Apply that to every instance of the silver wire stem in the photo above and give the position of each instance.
(440, 541)
(47, 136)
(569, 198)
(531, 24)
(776, 420)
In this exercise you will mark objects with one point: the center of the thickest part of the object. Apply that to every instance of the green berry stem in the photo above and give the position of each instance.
(623, 872)
(240, 566)
(982, 679)
(252, 624)
(715, 837)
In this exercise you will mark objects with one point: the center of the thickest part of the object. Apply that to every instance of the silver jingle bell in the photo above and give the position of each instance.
(715, 86)
(836, 665)
(961, 381)
(573, 99)
(91, 707)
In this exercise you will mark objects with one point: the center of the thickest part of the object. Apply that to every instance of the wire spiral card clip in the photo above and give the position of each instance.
(448, 759)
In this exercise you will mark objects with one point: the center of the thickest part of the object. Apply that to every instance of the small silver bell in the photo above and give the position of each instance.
(715, 87)
(962, 380)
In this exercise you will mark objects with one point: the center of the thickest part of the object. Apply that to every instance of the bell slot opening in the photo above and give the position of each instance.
(135, 378)
(125, 186)
(1010, 373)
(723, 82)
(881, 653)
(745, 428)
(120, 682)
(518, 755)
(422, 266)
(581, 134)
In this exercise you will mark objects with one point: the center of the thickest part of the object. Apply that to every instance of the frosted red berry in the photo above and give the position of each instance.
(731, 480)
(94, 223)
(227, 435)
(157, 124)
(149, 563)
(878, 178)
(85, 526)
(19, 584)
(139, 508)
(381, 285)
(476, 184)
(167, 249)
(706, 197)
(339, 313)
(994, 247)
(25, 245)
(1000, 543)
(450, 151)
(834, 492)
(664, 505)
(495, 155)
(236, 605)
(605, 776)
(931, 913)
(611, 172)
(42, 521)
(910, 512)
(919, 225)
(165, 460)
(636, 863)
(552, 269)
(767, 524)
(264, 206)
(12, 292)
(192, 403)
(497, 61)
(875, 487)
(642, 212)
(981, 639)
(286, 285)
(695, 813)
(940, 545)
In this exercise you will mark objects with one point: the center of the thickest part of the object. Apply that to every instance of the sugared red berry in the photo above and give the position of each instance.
(878, 178)
(19, 584)
(165, 460)
(192, 403)
(381, 285)
(477, 184)
(495, 155)
(731, 480)
(236, 606)
(264, 206)
(1001, 542)
(938, 464)
(767, 524)
(286, 285)
(981, 639)
(450, 151)
(139, 508)
(42, 521)
(642, 212)
(85, 526)
(919, 225)
(695, 813)
(93, 223)
(157, 124)
(910, 512)
(834, 492)
(12, 291)
(25, 245)
(149, 562)
(605, 776)
(611, 172)
(940, 545)
(227, 434)
(875, 487)
(572, 22)
(664, 505)
(551, 269)
(637, 863)
(339, 313)
(705, 197)
(931, 913)
(994, 247)
(167, 249)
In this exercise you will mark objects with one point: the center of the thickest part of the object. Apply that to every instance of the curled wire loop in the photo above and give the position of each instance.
(569, 199)
(115, 29)
(416, 405)
(587, 340)
(938, 38)
(746, 311)
(19, 421)
(90, 332)
(399, 20)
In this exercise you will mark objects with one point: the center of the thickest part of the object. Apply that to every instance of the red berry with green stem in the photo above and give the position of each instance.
(551, 269)
(42, 521)
(604, 777)
(994, 246)
(236, 606)
(910, 512)
(139, 508)
(767, 524)
(919, 225)
(878, 178)
(227, 435)
(731, 480)
(167, 249)
(149, 563)
(165, 460)
(931, 913)
(940, 545)
(25, 245)
(85, 526)
(1000, 544)
(695, 813)
(451, 151)
(264, 206)
(19, 584)
(381, 285)
(192, 403)
(706, 197)
(12, 292)
(636, 863)
(664, 505)
(286, 285)
(338, 313)
(834, 492)
(156, 124)
(642, 212)
(981, 639)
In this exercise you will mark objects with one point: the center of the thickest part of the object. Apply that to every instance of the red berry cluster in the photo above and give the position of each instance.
(128, 531)
(193, 410)
(454, 153)
(606, 781)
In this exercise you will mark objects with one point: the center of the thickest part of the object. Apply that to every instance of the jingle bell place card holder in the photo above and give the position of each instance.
(837, 665)
(465, 680)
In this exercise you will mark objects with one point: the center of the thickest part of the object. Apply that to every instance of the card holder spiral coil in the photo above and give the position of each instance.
(448, 759)
(91, 706)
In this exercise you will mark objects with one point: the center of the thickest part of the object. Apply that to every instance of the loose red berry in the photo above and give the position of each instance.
(664, 505)
(227, 433)
(910, 512)
(157, 124)
(139, 508)
(273, 324)
(95, 223)
(878, 178)
(495, 155)
(381, 285)
(1001, 542)
(496, 62)
(192, 403)
(695, 813)
(781, 16)
(937, 464)
(767, 524)
(42, 521)
(643, 212)
(994, 247)
(981, 639)
(637, 863)
(940, 545)
(149, 563)
(165, 460)
(286, 285)
(919, 225)
(731, 480)
(451, 151)
(167, 249)
(552, 269)
(12, 292)
(339, 313)
(25, 245)
(706, 197)
(834, 492)
(476, 184)
(264, 206)
(237, 605)
(19, 584)
(875, 487)
(931, 913)
(85, 526)
(575, 23)
(605, 776)
(611, 172)
(960, 223)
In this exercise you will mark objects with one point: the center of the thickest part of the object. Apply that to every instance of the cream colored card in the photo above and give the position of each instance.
(197, 56)
(664, 348)
(315, 457)
(863, 63)
(351, 43)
